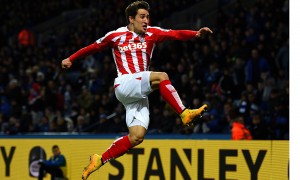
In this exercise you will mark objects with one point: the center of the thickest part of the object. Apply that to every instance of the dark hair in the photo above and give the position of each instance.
(239, 119)
(54, 146)
(132, 8)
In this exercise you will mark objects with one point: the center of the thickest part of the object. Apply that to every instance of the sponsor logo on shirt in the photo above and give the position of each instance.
(133, 46)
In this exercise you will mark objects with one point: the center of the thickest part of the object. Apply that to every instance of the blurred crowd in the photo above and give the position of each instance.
(242, 70)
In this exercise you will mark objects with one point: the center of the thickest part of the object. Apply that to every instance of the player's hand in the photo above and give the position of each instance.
(203, 31)
(66, 63)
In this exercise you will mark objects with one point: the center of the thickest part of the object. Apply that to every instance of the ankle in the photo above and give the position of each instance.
(183, 111)
(102, 162)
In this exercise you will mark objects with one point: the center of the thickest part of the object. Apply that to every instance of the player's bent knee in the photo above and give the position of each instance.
(139, 140)
(136, 140)
(136, 135)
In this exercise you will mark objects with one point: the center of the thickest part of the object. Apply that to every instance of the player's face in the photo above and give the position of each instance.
(141, 21)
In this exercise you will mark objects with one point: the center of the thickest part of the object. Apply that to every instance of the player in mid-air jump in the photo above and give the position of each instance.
(132, 47)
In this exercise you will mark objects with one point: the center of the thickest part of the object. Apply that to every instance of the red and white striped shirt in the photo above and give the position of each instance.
(132, 52)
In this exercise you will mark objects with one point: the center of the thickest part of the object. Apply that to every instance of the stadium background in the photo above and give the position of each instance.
(37, 97)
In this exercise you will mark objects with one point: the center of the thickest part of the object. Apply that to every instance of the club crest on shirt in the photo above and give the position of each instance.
(142, 38)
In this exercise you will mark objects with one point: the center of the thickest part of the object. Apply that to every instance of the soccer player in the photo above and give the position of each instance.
(132, 47)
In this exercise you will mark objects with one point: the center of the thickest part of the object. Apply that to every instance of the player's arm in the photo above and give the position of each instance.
(97, 46)
(163, 34)
(83, 52)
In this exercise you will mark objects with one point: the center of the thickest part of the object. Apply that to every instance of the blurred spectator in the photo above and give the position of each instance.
(103, 124)
(26, 37)
(49, 95)
(178, 128)
(167, 121)
(239, 131)
(226, 83)
(12, 127)
(68, 95)
(255, 66)
(268, 87)
(44, 125)
(282, 58)
(14, 92)
(242, 105)
(85, 99)
(53, 126)
(226, 117)
(81, 124)
(258, 129)
(238, 73)
(5, 107)
(119, 125)
(2, 124)
(62, 125)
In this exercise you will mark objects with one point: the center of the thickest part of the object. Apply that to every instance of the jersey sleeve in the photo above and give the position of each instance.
(169, 34)
(101, 44)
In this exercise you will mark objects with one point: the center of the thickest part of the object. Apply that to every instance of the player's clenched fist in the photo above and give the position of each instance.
(203, 31)
(66, 63)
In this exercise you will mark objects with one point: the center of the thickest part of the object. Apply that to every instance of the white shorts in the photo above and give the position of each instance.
(132, 91)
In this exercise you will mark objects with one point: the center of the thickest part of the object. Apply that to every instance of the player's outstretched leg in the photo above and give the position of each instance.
(119, 147)
(188, 115)
(95, 163)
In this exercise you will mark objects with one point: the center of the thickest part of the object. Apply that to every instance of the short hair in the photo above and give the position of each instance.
(54, 147)
(239, 119)
(132, 8)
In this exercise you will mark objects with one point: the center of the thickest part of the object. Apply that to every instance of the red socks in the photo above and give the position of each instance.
(119, 147)
(170, 95)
